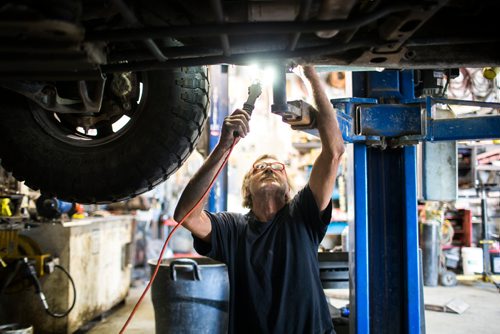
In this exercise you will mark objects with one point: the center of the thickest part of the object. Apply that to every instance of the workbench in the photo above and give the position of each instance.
(96, 253)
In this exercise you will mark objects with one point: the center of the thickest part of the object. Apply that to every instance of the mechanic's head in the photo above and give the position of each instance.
(267, 173)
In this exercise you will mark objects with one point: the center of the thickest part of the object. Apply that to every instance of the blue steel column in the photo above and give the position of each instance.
(219, 108)
(360, 288)
(386, 222)
(412, 257)
(390, 301)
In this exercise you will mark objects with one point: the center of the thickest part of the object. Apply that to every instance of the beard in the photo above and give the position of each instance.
(270, 185)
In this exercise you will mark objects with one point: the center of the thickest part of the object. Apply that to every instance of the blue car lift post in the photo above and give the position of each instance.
(384, 122)
(385, 274)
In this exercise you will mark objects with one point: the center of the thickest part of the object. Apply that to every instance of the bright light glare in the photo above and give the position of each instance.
(252, 71)
(268, 75)
(256, 72)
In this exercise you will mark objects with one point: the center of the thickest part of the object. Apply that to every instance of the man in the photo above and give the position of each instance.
(271, 252)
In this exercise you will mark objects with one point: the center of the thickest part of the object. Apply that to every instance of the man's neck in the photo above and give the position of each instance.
(265, 207)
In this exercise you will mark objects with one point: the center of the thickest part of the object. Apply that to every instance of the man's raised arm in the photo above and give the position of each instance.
(198, 222)
(324, 171)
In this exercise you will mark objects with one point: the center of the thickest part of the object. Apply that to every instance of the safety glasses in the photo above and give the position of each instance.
(278, 166)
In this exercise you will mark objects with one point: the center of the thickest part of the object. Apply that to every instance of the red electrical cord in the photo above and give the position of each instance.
(236, 139)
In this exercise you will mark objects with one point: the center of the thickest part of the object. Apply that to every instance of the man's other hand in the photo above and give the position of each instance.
(235, 124)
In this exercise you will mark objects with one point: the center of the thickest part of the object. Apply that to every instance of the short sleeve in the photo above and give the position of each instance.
(222, 238)
(305, 203)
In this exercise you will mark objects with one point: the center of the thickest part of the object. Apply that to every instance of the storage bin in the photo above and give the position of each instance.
(495, 261)
(190, 296)
(472, 260)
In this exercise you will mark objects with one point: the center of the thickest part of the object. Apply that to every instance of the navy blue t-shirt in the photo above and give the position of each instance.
(273, 268)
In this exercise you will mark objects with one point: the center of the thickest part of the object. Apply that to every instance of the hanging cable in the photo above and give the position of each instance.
(65, 313)
(30, 273)
(160, 257)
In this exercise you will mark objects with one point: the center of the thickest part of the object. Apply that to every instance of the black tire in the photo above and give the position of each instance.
(165, 131)
(448, 278)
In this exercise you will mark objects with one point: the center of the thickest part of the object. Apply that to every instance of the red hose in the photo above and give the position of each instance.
(236, 139)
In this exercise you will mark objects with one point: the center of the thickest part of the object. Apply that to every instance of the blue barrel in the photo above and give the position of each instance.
(190, 295)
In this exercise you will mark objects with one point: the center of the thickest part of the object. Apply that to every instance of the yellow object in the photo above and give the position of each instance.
(478, 277)
(5, 207)
(78, 216)
(490, 72)
(29, 248)
(14, 246)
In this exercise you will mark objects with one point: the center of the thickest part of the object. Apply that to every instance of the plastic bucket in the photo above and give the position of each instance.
(190, 295)
(495, 261)
(472, 260)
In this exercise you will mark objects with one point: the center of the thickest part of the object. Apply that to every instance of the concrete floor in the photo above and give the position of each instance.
(143, 321)
(482, 316)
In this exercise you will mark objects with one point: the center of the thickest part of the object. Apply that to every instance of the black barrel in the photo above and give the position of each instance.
(190, 295)
(430, 252)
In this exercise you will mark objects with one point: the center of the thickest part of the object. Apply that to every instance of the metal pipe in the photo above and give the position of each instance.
(244, 58)
(238, 47)
(241, 59)
(279, 105)
(129, 16)
(219, 16)
(303, 16)
(426, 42)
(333, 9)
(170, 52)
(484, 231)
(206, 30)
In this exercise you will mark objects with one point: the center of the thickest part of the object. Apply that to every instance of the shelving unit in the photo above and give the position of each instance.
(466, 166)
(461, 220)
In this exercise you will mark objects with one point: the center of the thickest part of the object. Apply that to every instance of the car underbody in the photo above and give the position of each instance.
(78, 67)
(88, 39)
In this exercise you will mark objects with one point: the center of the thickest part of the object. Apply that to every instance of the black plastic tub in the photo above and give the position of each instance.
(190, 295)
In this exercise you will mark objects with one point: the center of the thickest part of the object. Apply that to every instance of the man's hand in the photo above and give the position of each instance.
(235, 124)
